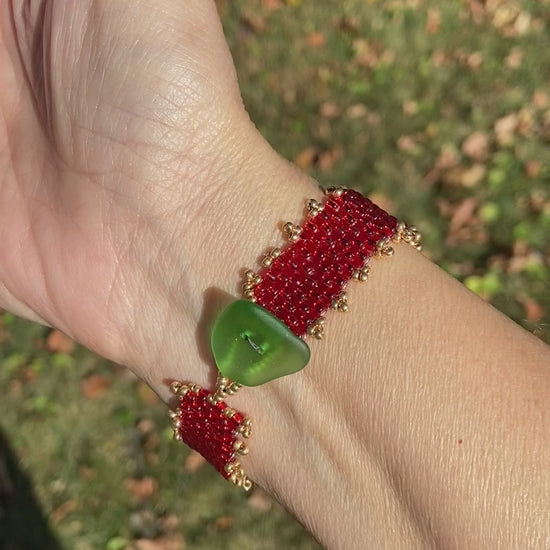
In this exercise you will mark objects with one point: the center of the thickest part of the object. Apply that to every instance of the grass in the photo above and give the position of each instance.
(386, 96)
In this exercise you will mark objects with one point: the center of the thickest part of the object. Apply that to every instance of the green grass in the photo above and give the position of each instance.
(375, 99)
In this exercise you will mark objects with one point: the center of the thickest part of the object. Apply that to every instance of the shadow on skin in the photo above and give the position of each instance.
(23, 525)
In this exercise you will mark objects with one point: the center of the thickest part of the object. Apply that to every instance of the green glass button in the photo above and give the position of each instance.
(251, 346)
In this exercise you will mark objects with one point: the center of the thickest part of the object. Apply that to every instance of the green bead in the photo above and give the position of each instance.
(251, 346)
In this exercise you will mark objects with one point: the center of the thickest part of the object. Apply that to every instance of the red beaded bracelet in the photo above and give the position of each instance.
(296, 286)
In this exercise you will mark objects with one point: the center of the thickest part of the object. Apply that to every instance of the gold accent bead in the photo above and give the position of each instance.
(229, 412)
(340, 303)
(313, 207)
(175, 387)
(292, 231)
(240, 448)
(336, 191)
(317, 328)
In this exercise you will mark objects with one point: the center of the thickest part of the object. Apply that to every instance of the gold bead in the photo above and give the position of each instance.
(175, 387)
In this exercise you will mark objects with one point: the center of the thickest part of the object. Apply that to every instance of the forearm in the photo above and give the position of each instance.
(421, 418)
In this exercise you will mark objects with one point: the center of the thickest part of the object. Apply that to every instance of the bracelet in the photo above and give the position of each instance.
(262, 337)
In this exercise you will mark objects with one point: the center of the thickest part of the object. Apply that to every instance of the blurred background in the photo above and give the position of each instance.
(440, 111)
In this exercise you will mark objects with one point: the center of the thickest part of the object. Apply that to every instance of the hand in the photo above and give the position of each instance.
(121, 122)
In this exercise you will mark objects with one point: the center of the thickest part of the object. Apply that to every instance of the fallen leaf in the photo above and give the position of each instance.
(328, 159)
(169, 542)
(526, 122)
(255, 23)
(57, 342)
(476, 146)
(62, 511)
(540, 99)
(515, 58)
(224, 522)
(193, 462)
(316, 39)
(532, 169)
(523, 23)
(505, 129)
(465, 177)
(365, 54)
(410, 108)
(143, 488)
(533, 310)
(407, 144)
(474, 60)
(439, 58)
(306, 158)
(358, 110)
(433, 22)
(171, 522)
(95, 386)
(259, 500)
(329, 109)
(463, 214)
(272, 5)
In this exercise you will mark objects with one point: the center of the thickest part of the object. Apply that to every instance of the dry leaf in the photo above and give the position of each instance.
(358, 110)
(170, 542)
(407, 144)
(316, 39)
(515, 58)
(522, 24)
(433, 22)
(255, 23)
(540, 99)
(466, 177)
(58, 342)
(328, 159)
(476, 146)
(306, 158)
(259, 500)
(532, 168)
(329, 109)
(62, 511)
(474, 60)
(272, 5)
(410, 108)
(463, 214)
(533, 310)
(224, 522)
(95, 386)
(193, 462)
(141, 489)
(439, 58)
(505, 129)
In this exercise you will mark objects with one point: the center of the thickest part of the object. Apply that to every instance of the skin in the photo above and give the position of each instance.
(133, 187)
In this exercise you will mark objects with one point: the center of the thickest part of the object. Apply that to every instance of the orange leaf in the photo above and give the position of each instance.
(316, 39)
(142, 489)
(95, 386)
(58, 342)
(194, 461)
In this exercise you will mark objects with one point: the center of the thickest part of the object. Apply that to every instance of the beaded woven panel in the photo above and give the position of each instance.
(302, 283)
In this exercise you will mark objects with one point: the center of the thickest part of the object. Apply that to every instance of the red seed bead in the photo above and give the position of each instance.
(311, 272)
(205, 428)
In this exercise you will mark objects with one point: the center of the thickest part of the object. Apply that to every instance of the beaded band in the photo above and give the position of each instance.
(296, 285)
